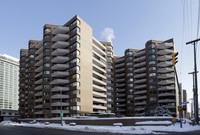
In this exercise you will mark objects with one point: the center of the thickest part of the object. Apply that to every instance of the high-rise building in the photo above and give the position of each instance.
(9, 85)
(145, 79)
(71, 72)
(66, 72)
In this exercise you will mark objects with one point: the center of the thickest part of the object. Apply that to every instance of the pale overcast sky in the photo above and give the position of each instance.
(133, 22)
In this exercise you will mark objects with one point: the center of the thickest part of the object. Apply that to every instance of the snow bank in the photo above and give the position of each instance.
(153, 122)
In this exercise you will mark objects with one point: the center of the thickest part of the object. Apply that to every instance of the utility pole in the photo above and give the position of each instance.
(195, 78)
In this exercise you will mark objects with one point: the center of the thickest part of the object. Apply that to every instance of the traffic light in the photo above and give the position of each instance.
(174, 58)
(179, 107)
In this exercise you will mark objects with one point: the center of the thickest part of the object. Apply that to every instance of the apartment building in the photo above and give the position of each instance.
(65, 72)
(9, 85)
(145, 79)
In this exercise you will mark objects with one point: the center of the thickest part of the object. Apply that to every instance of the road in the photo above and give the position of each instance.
(15, 130)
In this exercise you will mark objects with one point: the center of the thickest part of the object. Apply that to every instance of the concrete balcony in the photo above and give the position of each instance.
(141, 86)
(120, 90)
(39, 112)
(164, 58)
(39, 87)
(120, 100)
(120, 70)
(120, 75)
(140, 59)
(165, 76)
(99, 107)
(59, 96)
(39, 45)
(60, 89)
(140, 97)
(60, 44)
(60, 74)
(38, 75)
(38, 106)
(142, 64)
(120, 105)
(165, 70)
(39, 69)
(139, 53)
(99, 68)
(164, 64)
(98, 88)
(166, 82)
(99, 44)
(38, 100)
(140, 70)
(38, 81)
(120, 110)
(120, 80)
(166, 94)
(140, 81)
(120, 95)
(60, 30)
(98, 74)
(141, 92)
(143, 75)
(141, 103)
(119, 60)
(165, 45)
(120, 65)
(60, 52)
(165, 52)
(59, 81)
(39, 51)
(60, 67)
(120, 85)
(98, 62)
(39, 57)
(38, 94)
(98, 50)
(59, 111)
(167, 101)
(100, 56)
(166, 88)
(59, 104)
(99, 94)
(139, 109)
(99, 81)
(39, 63)
(60, 59)
(60, 37)
(99, 100)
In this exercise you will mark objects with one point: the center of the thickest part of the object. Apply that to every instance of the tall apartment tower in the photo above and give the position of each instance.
(145, 79)
(66, 72)
(9, 76)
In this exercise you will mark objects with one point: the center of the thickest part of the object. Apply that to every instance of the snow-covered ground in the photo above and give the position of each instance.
(112, 129)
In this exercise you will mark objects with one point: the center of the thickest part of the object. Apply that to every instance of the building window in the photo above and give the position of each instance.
(152, 98)
(47, 43)
(130, 85)
(46, 79)
(47, 86)
(109, 76)
(151, 50)
(152, 56)
(47, 58)
(75, 60)
(76, 92)
(109, 52)
(109, 70)
(109, 82)
(75, 37)
(47, 50)
(75, 22)
(109, 93)
(130, 74)
(22, 63)
(131, 90)
(130, 69)
(31, 44)
(47, 65)
(75, 45)
(31, 50)
(129, 53)
(47, 37)
(47, 29)
(109, 58)
(129, 58)
(152, 80)
(47, 72)
(152, 62)
(76, 52)
(31, 62)
(75, 68)
(74, 84)
(131, 79)
(129, 64)
(31, 56)
(152, 68)
(76, 76)
(152, 45)
(23, 58)
(77, 29)
(152, 74)
(109, 64)
(152, 86)
(110, 88)
(109, 46)
(23, 52)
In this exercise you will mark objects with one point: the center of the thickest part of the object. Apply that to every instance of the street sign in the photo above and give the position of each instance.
(184, 103)
(61, 114)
